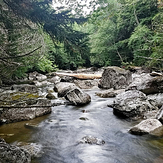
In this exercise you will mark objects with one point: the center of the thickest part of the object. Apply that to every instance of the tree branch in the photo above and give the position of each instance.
(29, 53)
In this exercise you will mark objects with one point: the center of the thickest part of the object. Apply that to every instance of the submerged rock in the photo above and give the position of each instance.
(13, 154)
(145, 127)
(92, 140)
(115, 77)
(131, 104)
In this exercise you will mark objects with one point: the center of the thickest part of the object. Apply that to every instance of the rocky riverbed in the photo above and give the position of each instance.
(136, 97)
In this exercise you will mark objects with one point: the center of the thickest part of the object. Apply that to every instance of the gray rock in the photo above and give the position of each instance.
(115, 77)
(159, 115)
(107, 93)
(13, 154)
(25, 110)
(36, 76)
(42, 83)
(157, 99)
(78, 97)
(86, 84)
(63, 87)
(145, 127)
(67, 79)
(147, 84)
(35, 150)
(25, 88)
(131, 104)
(72, 93)
(157, 132)
(55, 79)
(92, 140)
(50, 96)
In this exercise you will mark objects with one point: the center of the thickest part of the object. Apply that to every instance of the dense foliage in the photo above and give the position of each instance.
(34, 36)
(127, 32)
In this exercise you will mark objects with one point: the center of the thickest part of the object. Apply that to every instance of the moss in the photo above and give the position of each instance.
(23, 95)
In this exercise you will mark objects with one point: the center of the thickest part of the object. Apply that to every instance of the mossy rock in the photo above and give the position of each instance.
(12, 98)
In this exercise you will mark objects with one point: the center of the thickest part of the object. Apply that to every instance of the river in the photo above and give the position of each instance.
(60, 132)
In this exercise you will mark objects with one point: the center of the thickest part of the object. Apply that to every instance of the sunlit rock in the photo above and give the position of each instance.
(145, 127)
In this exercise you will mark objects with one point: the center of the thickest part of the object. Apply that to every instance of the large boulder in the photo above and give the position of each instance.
(131, 104)
(11, 153)
(147, 83)
(145, 127)
(115, 77)
(72, 93)
(63, 87)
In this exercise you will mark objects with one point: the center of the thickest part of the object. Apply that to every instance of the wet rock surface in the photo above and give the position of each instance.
(92, 140)
(13, 154)
(34, 149)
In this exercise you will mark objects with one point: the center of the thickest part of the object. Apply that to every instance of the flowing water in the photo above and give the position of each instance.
(60, 132)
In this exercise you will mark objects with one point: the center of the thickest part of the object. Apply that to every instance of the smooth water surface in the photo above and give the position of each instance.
(60, 132)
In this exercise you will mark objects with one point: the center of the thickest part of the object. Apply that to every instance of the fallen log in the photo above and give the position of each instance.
(81, 76)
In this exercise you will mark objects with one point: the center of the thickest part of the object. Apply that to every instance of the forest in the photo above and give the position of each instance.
(36, 37)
